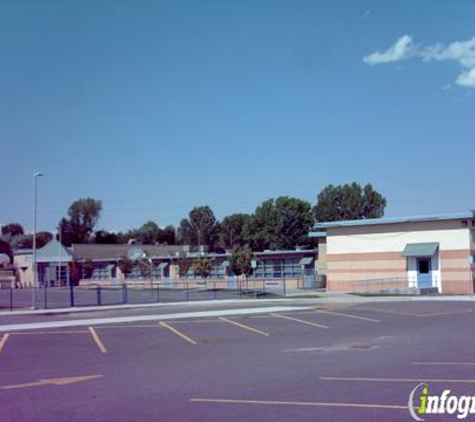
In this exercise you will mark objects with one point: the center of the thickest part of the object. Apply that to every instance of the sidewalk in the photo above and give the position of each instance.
(304, 298)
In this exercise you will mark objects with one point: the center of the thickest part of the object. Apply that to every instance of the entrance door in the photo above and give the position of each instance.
(424, 278)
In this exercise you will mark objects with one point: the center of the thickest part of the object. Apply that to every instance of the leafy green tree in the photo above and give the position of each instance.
(184, 264)
(125, 265)
(240, 260)
(103, 237)
(147, 234)
(294, 221)
(12, 229)
(283, 223)
(145, 268)
(87, 269)
(202, 266)
(232, 231)
(348, 202)
(83, 215)
(6, 249)
(201, 228)
(259, 229)
(43, 238)
(166, 236)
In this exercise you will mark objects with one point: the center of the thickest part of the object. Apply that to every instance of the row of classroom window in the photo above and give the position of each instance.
(272, 268)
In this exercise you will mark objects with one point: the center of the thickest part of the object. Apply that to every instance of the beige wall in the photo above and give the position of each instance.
(358, 254)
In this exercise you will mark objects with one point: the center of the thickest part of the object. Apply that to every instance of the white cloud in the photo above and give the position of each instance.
(401, 49)
(467, 78)
(461, 52)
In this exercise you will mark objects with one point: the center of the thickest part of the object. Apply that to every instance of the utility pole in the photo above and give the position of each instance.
(35, 266)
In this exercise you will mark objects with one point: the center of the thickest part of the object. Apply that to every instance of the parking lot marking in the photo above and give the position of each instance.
(53, 381)
(348, 316)
(300, 403)
(97, 340)
(456, 381)
(313, 324)
(32, 333)
(246, 327)
(389, 311)
(178, 333)
(3, 341)
(445, 363)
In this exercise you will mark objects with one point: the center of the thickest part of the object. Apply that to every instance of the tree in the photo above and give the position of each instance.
(349, 202)
(12, 229)
(202, 266)
(146, 234)
(293, 223)
(240, 260)
(283, 223)
(166, 236)
(232, 231)
(83, 216)
(145, 268)
(184, 264)
(201, 228)
(6, 249)
(259, 229)
(43, 238)
(87, 269)
(103, 237)
(125, 265)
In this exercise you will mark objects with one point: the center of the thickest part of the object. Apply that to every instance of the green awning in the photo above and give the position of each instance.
(420, 249)
(224, 264)
(306, 261)
(162, 265)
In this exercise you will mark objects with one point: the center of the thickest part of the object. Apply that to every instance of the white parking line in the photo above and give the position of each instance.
(162, 317)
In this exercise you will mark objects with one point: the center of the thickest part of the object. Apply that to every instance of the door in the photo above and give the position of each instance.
(424, 277)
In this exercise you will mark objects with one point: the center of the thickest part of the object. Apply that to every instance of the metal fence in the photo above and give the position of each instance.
(121, 294)
(389, 284)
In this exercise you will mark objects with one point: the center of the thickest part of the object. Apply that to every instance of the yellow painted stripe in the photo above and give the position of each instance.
(49, 332)
(300, 403)
(178, 333)
(97, 340)
(348, 316)
(246, 327)
(3, 341)
(445, 363)
(451, 381)
(313, 324)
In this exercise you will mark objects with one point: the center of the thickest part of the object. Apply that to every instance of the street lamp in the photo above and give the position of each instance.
(35, 267)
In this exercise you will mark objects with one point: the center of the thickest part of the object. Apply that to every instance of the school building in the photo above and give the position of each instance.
(412, 254)
(85, 264)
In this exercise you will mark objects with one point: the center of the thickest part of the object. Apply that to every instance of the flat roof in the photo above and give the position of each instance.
(393, 220)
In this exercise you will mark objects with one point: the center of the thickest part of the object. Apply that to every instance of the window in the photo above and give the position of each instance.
(423, 266)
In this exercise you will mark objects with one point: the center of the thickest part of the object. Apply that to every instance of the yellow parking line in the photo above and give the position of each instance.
(178, 333)
(97, 340)
(3, 341)
(462, 311)
(445, 363)
(246, 327)
(300, 403)
(456, 381)
(348, 316)
(389, 311)
(48, 332)
(313, 324)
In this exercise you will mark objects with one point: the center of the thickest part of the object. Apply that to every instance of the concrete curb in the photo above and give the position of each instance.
(147, 306)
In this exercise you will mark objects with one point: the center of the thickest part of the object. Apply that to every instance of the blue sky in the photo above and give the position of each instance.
(155, 107)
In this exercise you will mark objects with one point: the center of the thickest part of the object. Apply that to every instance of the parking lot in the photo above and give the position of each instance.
(339, 362)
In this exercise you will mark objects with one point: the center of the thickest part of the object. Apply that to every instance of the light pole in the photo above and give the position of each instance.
(35, 267)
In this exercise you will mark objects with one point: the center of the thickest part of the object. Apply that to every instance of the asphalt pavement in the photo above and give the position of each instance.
(347, 362)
